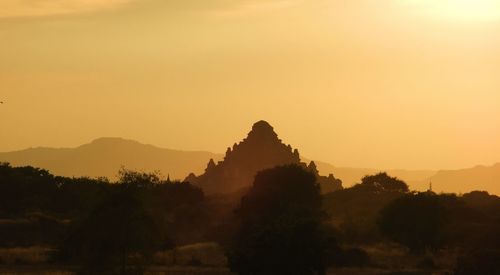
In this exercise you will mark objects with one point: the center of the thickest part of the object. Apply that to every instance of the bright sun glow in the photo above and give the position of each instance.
(477, 10)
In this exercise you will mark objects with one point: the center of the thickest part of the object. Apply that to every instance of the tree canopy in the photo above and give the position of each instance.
(281, 225)
(384, 182)
(415, 220)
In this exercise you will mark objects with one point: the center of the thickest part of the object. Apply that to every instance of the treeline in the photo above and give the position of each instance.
(95, 223)
(382, 208)
(281, 225)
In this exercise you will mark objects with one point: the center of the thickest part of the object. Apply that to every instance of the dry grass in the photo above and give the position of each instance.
(209, 258)
(162, 270)
(153, 270)
(390, 258)
(25, 255)
(200, 254)
(34, 270)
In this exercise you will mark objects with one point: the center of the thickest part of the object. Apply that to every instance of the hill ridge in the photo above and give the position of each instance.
(68, 161)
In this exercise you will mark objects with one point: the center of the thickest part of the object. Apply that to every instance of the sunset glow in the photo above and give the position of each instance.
(236, 137)
(394, 84)
(470, 10)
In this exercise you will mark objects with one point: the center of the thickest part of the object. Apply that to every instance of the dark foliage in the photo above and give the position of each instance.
(481, 246)
(384, 183)
(92, 219)
(115, 231)
(353, 257)
(355, 210)
(280, 226)
(484, 262)
(30, 187)
(416, 220)
(281, 230)
(141, 214)
(36, 207)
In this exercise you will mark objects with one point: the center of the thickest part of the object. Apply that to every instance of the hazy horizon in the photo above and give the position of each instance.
(305, 158)
(401, 84)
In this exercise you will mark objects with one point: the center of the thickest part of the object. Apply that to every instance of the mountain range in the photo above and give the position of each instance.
(103, 157)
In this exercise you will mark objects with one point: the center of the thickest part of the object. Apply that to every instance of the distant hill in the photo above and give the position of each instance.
(417, 179)
(105, 156)
(483, 178)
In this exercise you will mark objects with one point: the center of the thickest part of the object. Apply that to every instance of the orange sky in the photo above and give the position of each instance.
(362, 83)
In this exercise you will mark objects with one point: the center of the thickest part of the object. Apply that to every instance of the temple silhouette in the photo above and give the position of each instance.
(261, 149)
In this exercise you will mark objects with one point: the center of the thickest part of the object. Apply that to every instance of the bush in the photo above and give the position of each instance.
(484, 262)
(281, 225)
(352, 257)
(415, 220)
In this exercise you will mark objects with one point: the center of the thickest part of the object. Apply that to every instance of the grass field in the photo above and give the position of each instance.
(161, 270)
(208, 258)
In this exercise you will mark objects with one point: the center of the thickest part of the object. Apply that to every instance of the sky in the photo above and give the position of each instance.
(411, 84)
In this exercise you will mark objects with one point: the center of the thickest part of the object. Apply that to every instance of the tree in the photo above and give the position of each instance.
(384, 182)
(356, 209)
(140, 214)
(25, 189)
(416, 221)
(281, 225)
(119, 234)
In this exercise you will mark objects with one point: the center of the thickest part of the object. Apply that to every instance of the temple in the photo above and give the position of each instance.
(261, 149)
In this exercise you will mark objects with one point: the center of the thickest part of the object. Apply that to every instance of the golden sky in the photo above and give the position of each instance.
(361, 83)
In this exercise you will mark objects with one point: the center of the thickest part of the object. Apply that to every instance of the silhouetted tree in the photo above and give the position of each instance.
(415, 220)
(25, 189)
(138, 180)
(119, 234)
(384, 182)
(140, 214)
(357, 208)
(281, 230)
(481, 252)
(115, 239)
(179, 212)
